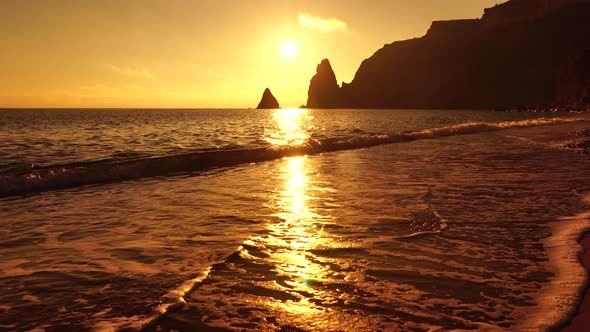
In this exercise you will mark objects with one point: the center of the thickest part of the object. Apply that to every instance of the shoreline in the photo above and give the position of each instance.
(558, 302)
(581, 319)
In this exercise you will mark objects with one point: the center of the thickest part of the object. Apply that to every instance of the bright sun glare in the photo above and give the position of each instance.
(289, 49)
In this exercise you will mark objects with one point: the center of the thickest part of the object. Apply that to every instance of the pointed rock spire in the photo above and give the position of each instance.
(268, 100)
(324, 91)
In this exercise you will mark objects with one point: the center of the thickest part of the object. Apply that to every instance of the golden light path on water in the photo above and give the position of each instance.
(299, 228)
(288, 126)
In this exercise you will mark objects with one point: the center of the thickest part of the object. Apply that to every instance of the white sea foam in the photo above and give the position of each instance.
(172, 300)
(478, 127)
(557, 300)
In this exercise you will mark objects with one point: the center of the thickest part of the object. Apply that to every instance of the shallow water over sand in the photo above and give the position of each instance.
(339, 258)
(445, 232)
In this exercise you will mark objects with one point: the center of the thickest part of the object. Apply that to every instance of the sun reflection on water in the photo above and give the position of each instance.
(294, 197)
(299, 231)
(288, 127)
(297, 228)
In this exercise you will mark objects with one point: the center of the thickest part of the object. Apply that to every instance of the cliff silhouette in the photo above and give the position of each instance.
(522, 52)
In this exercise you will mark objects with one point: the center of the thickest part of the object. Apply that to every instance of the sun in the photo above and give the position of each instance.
(289, 50)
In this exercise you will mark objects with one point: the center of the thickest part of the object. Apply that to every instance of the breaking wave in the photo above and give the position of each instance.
(85, 173)
(170, 301)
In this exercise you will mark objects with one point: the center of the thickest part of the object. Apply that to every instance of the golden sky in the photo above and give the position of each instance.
(195, 54)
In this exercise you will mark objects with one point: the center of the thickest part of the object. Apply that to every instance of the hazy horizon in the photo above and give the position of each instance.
(194, 54)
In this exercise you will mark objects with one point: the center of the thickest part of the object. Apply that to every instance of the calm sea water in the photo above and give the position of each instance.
(48, 137)
(384, 220)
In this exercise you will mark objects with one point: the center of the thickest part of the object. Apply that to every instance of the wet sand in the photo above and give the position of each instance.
(581, 321)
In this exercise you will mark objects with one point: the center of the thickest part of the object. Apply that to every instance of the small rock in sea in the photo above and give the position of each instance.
(268, 100)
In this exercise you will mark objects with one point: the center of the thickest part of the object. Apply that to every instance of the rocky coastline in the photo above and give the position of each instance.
(522, 52)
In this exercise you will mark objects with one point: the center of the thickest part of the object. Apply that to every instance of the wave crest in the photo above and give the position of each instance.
(84, 173)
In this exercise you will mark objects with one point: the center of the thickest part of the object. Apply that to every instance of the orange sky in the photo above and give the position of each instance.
(195, 54)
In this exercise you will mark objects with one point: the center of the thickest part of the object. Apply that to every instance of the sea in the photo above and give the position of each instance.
(290, 219)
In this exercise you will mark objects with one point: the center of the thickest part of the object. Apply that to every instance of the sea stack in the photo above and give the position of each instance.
(324, 91)
(268, 100)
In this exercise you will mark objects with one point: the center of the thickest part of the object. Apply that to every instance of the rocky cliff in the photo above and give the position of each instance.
(573, 85)
(506, 58)
(268, 100)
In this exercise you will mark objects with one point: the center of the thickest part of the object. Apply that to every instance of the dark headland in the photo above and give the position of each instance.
(522, 52)
(268, 100)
